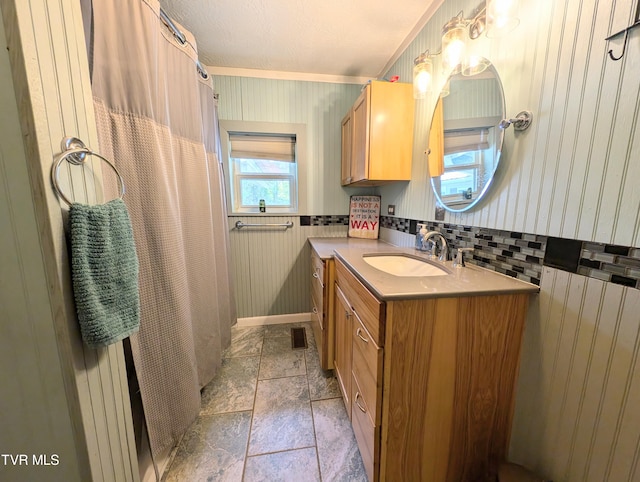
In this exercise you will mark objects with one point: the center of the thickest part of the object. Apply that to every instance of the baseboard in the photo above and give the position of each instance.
(274, 319)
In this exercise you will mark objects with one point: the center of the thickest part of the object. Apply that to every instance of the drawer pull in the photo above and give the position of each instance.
(359, 333)
(317, 276)
(362, 409)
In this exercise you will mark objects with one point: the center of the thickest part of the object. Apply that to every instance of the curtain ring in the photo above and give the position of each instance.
(78, 156)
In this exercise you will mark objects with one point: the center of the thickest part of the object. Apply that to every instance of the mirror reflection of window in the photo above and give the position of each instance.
(468, 157)
(461, 173)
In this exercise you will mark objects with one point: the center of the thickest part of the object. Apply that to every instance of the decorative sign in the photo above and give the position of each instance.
(364, 217)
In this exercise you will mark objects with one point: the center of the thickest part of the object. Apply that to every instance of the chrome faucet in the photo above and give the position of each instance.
(444, 252)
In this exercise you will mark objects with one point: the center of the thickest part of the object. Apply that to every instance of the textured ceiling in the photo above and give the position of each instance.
(336, 37)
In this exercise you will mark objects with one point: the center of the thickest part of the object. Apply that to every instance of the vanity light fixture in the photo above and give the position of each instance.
(496, 18)
(501, 17)
(454, 35)
(422, 75)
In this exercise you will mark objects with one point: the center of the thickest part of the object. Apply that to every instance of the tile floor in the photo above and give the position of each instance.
(271, 414)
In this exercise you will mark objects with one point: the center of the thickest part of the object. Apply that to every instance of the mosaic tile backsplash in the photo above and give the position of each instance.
(522, 255)
(324, 220)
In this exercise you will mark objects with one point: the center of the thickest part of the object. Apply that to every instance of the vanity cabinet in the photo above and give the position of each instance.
(377, 135)
(432, 380)
(322, 311)
(359, 335)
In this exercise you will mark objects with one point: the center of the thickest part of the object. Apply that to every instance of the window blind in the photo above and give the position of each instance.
(271, 147)
(466, 140)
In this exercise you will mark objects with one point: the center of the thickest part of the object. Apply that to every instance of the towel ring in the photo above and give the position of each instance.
(75, 152)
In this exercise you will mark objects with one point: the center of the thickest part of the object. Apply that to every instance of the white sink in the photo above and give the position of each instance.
(404, 265)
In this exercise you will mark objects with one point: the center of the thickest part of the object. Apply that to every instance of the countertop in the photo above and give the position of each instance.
(468, 281)
(325, 247)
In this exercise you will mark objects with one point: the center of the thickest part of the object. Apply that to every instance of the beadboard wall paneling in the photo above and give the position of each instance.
(319, 105)
(61, 398)
(272, 266)
(571, 174)
(579, 377)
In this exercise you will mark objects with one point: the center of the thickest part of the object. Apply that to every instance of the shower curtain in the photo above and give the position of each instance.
(157, 119)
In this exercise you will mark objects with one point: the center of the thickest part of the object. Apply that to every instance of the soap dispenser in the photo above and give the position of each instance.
(420, 241)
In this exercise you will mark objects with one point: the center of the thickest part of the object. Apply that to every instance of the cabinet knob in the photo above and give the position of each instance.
(315, 310)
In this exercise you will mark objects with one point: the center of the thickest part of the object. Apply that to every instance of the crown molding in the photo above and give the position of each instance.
(282, 75)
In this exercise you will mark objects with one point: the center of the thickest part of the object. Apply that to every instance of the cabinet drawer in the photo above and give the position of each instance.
(367, 369)
(367, 434)
(369, 309)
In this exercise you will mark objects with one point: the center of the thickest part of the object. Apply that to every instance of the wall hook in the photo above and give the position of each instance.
(624, 48)
(626, 37)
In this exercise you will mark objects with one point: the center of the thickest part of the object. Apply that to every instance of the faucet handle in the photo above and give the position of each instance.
(458, 262)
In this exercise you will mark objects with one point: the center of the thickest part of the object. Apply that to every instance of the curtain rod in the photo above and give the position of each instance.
(182, 39)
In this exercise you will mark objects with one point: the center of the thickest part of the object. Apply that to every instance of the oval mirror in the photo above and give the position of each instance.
(465, 141)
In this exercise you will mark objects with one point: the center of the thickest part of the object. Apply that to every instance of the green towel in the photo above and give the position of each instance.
(104, 269)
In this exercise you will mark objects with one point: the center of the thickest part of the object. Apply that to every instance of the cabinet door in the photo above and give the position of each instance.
(347, 146)
(360, 148)
(342, 361)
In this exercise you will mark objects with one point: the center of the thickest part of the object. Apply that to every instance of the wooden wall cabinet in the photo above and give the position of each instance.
(322, 299)
(377, 135)
(433, 381)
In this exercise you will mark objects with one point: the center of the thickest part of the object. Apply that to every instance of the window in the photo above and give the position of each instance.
(263, 164)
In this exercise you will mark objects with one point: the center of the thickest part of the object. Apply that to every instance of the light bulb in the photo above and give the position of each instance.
(454, 53)
(423, 80)
(502, 17)
(422, 76)
(473, 63)
(454, 34)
